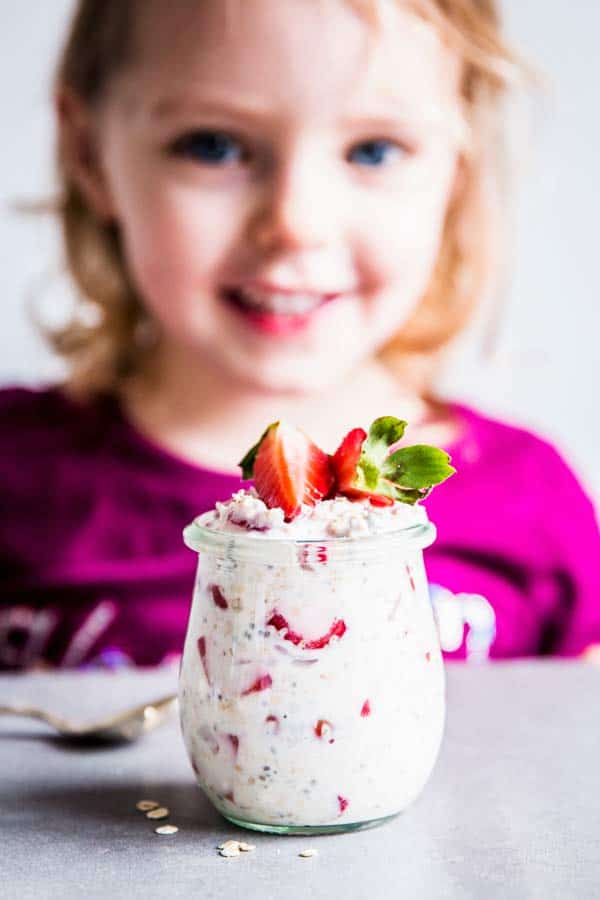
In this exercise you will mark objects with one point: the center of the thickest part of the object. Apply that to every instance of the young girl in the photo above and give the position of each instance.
(271, 210)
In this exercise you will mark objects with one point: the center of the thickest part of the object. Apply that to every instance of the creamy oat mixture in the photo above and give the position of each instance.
(312, 692)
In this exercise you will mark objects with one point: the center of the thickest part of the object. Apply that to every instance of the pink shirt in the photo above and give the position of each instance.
(93, 570)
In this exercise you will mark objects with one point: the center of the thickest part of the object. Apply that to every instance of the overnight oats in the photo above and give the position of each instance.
(311, 686)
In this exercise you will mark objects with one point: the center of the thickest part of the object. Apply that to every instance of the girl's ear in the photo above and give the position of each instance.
(79, 151)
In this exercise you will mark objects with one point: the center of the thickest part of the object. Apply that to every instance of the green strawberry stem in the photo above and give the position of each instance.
(407, 474)
(247, 463)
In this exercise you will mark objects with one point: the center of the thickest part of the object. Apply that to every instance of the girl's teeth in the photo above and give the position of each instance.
(283, 304)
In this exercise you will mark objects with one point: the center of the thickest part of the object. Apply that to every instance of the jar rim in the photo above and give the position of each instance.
(411, 537)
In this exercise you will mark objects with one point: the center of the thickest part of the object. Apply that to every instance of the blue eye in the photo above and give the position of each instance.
(373, 153)
(213, 148)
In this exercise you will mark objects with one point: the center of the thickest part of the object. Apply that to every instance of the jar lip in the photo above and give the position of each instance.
(416, 536)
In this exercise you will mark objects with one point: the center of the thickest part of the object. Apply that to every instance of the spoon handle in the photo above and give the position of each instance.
(31, 712)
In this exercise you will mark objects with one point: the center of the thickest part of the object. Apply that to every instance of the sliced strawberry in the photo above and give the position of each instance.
(273, 724)
(345, 459)
(323, 728)
(380, 500)
(366, 709)
(261, 684)
(374, 499)
(218, 596)
(202, 652)
(345, 462)
(338, 629)
(342, 803)
(289, 470)
(280, 623)
(310, 554)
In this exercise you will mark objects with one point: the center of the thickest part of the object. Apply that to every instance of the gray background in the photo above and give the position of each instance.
(544, 370)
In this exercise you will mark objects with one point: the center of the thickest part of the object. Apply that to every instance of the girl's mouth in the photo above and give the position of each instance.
(277, 312)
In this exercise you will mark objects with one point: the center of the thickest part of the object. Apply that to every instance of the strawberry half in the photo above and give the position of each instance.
(345, 468)
(288, 469)
(345, 459)
(374, 467)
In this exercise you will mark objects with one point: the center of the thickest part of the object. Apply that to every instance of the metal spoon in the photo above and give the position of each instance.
(125, 726)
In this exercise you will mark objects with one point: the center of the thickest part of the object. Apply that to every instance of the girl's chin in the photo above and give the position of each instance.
(304, 375)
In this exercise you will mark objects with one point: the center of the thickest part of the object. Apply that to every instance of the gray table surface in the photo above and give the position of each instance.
(512, 809)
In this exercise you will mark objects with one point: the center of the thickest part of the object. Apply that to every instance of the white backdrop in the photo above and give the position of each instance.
(545, 371)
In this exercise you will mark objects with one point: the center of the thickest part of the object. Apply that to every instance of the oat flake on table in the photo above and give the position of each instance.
(166, 829)
(161, 813)
(146, 805)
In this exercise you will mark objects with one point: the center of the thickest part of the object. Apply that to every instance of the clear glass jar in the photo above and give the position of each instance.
(312, 685)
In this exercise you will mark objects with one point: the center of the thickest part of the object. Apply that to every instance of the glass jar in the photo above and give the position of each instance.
(312, 685)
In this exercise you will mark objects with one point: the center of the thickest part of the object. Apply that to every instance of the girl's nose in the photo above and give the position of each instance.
(299, 209)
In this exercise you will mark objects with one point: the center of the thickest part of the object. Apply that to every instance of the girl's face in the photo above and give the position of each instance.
(280, 178)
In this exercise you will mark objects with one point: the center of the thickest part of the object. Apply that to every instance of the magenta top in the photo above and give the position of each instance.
(93, 570)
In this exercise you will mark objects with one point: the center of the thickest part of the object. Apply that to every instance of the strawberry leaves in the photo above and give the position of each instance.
(407, 474)
(417, 467)
(383, 434)
(247, 463)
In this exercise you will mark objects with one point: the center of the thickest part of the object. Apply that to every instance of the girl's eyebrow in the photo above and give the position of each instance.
(167, 107)
(251, 109)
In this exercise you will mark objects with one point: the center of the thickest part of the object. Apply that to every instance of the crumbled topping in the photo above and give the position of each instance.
(336, 518)
(246, 509)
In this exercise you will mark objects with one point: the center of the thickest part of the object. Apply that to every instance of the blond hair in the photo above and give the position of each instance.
(105, 348)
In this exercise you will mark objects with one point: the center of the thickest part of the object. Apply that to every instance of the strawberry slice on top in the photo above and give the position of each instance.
(288, 469)
(346, 457)
(345, 462)
(372, 466)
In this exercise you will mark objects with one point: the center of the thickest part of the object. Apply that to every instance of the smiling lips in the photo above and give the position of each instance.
(278, 311)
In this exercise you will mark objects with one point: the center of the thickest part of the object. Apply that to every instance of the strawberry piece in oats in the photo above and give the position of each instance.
(218, 596)
(202, 652)
(280, 623)
(261, 684)
(323, 728)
